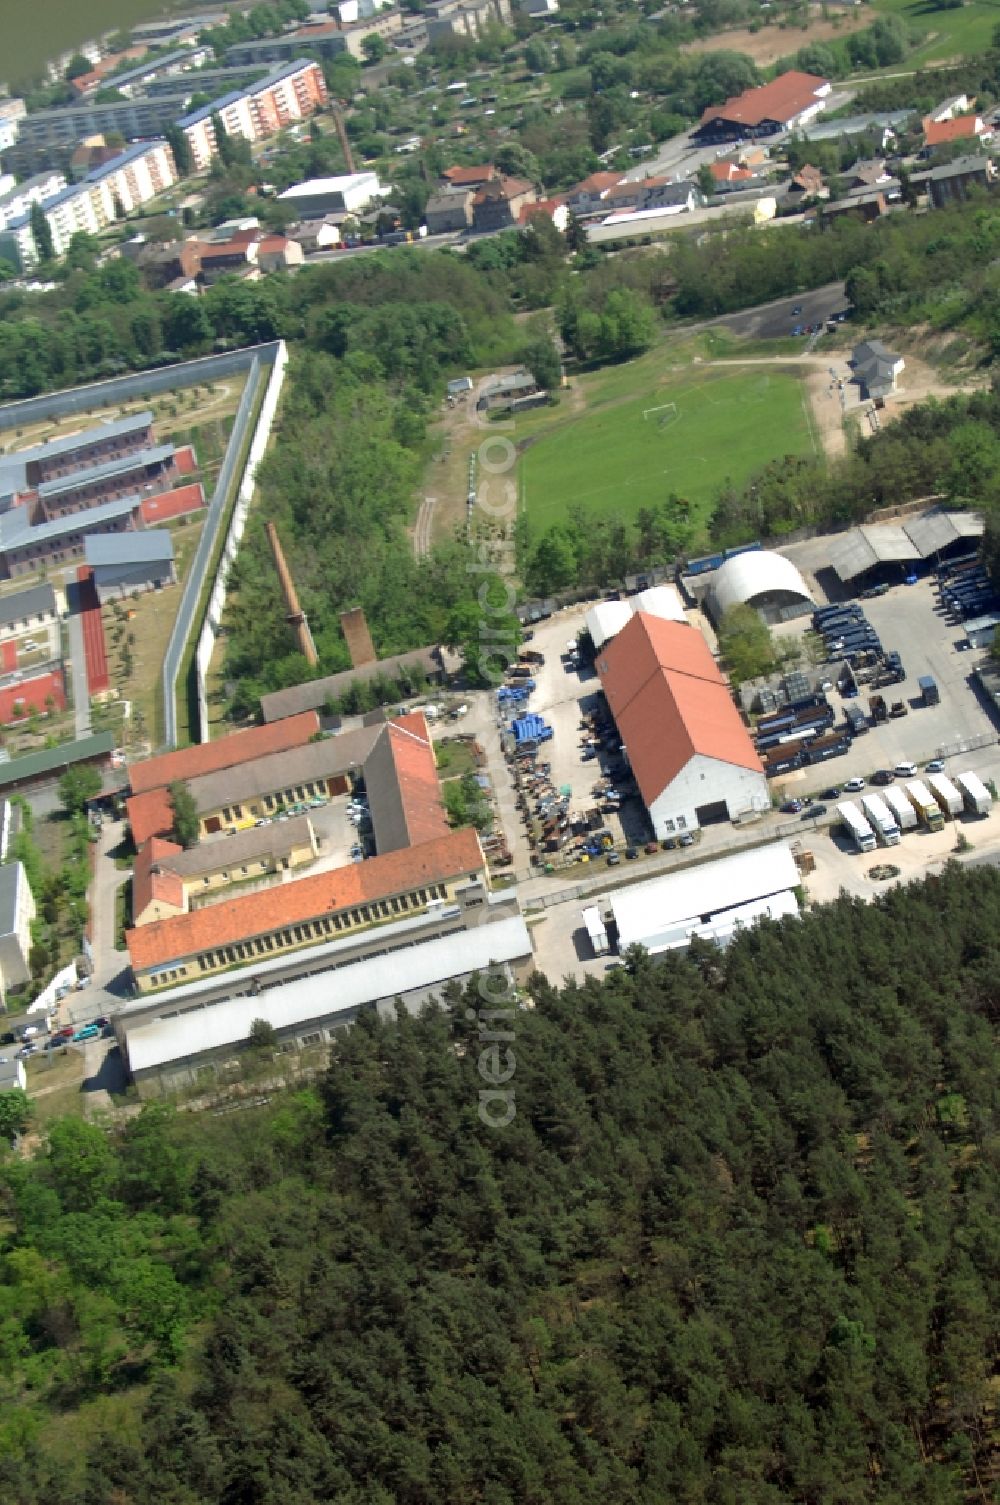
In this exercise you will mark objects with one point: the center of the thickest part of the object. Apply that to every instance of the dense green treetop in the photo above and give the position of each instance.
(738, 1245)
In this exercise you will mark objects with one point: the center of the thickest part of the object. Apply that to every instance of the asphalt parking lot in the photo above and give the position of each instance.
(775, 321)
(908, 619)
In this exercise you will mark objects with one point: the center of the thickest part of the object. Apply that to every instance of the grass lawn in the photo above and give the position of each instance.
(148, 619)
(649, 428)
(949, 33)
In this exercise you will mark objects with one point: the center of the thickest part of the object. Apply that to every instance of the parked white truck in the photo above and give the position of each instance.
(906, 816)
(975, 794)
(945, 793)
(881, 819)
(596, 930)
(857, 827)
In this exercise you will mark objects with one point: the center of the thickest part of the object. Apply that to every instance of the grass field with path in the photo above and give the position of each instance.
(649, 428)
(964, 32)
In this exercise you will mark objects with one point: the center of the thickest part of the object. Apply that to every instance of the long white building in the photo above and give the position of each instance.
(166, 1052)
(712, 900)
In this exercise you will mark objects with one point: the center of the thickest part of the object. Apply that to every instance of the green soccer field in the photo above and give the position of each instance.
(688, 436)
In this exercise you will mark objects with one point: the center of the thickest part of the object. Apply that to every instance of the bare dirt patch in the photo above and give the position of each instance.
(770, 43)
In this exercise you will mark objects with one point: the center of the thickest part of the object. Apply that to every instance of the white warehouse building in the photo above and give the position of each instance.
(689, 750)
(609, 617)
(345, 194)
(712, 901)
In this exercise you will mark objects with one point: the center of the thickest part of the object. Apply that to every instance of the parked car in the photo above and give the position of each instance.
(791, 807)
(855, 785)
(812, 812)
(883, 776)
(687, 840)
(631, 853)
(88, 1032)
(936, 765)
(833, 793)
(613, 859)
(905, 770)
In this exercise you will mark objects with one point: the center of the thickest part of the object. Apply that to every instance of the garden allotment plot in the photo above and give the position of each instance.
(690, 436)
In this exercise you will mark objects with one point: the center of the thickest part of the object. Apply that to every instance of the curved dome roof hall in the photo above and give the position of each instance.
(759, 577)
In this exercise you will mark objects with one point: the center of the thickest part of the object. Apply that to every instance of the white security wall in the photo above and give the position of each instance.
(237, 524)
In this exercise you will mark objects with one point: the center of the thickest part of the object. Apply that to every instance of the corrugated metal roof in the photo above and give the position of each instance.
(69, 443)
(150, 546)
(875, 543)
(759, 572)
(121, 465)
(935, 530)
(16, 531)
(55, 759)
(359, 983)
(657, 914)
(36, 601)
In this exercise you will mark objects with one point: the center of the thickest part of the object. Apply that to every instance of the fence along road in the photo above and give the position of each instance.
(227, 479)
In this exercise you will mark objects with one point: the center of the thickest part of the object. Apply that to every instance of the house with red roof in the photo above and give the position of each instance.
(792, 99)
(587, 196)
(550, 209)
(726, 174)
(963, 128)
(686, 742)
(460, 178)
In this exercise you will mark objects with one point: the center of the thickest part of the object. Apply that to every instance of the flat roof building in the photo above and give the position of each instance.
(711, 900)
(165, 1053)
(348, 192)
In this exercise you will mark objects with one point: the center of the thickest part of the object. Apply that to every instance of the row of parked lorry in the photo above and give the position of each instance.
(882, 818)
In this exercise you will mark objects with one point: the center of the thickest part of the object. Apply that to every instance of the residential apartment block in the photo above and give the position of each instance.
(119, 186)
(289, 93)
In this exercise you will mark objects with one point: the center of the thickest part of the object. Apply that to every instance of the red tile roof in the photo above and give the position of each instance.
(149, 884)
(941, 132)
(646, 645)
(225, 752)
(470, 177)
(596, 183)
(543, 207)
(670, 702)
(417, 778)
(728, 172)
(304, 899)
(149, 814)
(782, 99)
